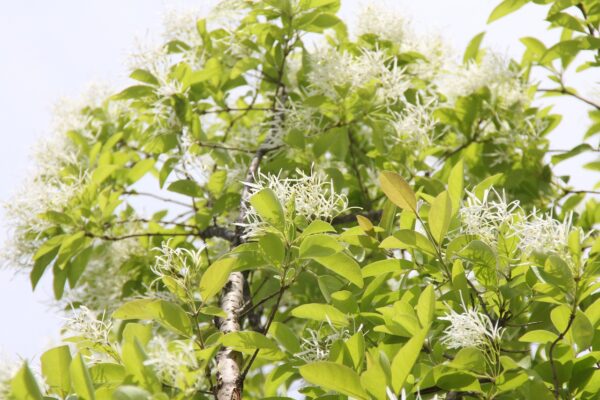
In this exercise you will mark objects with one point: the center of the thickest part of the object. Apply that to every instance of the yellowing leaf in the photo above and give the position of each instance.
(398, 191)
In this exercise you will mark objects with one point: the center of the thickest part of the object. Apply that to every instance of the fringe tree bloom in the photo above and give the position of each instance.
(382, 22)
(174, 363)
(310, 196)
(414, 125)
(543, 233)
(8, 370)
(86, 324)
(182, 25)
(485, 217)
(470, 329)
(332, 69)
(491, 72)
(317, 346)
(180, 265)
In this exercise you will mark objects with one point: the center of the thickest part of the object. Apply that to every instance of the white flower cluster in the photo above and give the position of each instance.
(311, 196)
(182, 25)
(180, 265)
(492, 72)
(331, 69)
(175, 363)
(388, 24)
(470, 329)
(486, 217)
(317, 346)
(8, 369)
(293, 116)
(415, 125)
(493, 215)
(543, 234)
(86, 324)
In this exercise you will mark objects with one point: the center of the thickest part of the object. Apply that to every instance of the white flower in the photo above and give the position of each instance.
(383, 22)
(8, 370)
(485, 217)
(388, 24)
(181, 265)
(492, 72)
(175, 363)
(86, 324)
(415, 125)
(39, 194)
(470, 329)
(331, 68)
(317, 345)
(293, 116)
(182, 25)
(312, 195)
(543, 233)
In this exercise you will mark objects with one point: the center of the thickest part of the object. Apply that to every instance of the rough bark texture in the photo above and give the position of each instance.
(228, 360)
(233, 298)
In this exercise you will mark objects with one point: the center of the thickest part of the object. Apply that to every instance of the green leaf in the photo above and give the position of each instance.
(469, 358)
(317, 226)
(248, 342)
(320, 312)
(273, 247)
(486, 184)
(319, 245)
(581, 148)
(343, 265)
(81, 379)
(385, 266)
(55, 367)
(455, 185)
(408, 239)
(398, 191)
(216, 183)
(406, 358)
(140, 169)
(215, 277)
(144, 76)
(169, 315)
(505, 8)
(286, 336)
(336, 377)
(583, 331)
(24, 385)
(134, 92)
(186, 187)
(473, 48)
(440, 215)
(538, 336)
(426, 306)
(269, 208)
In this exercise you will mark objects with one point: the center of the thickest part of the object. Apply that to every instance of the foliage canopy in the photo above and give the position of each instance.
(278, 204)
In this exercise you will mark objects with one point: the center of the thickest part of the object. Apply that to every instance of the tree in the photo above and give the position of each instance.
(357, 213)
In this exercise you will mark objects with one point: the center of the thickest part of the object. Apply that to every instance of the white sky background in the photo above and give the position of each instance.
(52, 49)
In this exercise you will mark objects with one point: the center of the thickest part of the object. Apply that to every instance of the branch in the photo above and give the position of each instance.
(572, 94)
(551, 353)
(155, 196)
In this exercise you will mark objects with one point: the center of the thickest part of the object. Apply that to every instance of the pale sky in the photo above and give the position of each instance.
(53, 49)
